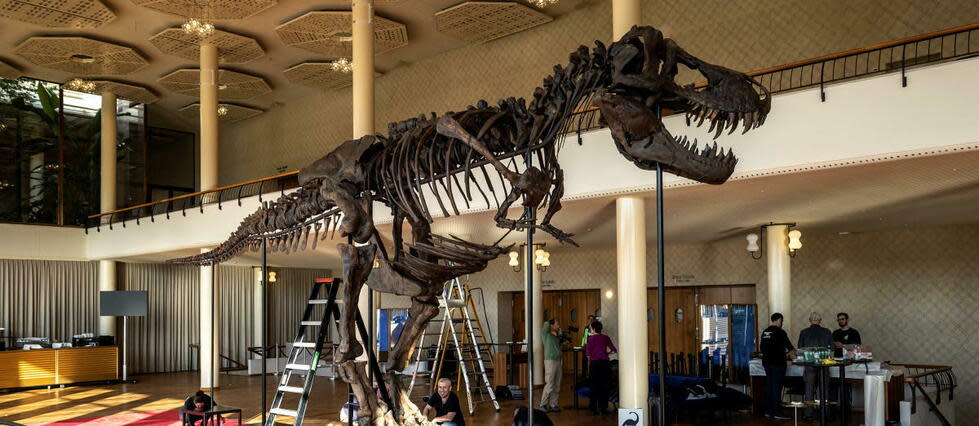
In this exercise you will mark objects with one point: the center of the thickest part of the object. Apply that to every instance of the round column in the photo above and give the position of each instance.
(779, 273)
(630, 241)
(538, 320)
(107, 197)
(625, 14)
(363, 104)
(210, 326)
(209, 116)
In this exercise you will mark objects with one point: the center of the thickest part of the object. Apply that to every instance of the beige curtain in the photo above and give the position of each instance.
(41, 298)
(58, 299)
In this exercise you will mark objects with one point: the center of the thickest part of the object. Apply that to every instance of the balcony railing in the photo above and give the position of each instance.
(928, 380)
(894, 56)
(181, 204)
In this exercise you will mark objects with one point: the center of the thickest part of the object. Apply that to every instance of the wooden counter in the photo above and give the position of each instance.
(43, 367)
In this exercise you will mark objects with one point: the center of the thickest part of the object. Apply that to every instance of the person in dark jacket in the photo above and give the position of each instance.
(815, 336)
(775, 346)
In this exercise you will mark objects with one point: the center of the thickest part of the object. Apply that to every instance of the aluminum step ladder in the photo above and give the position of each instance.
(459, 334)
(305, 345)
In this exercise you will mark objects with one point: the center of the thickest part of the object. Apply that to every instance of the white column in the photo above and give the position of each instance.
(538, 321)
(210, 326)
(779, 273)
(630, 240)
(209, 116)
(107, 198)
(625, 14)
(107, 282)
(257, 307)
(210, 334)
(363, 100)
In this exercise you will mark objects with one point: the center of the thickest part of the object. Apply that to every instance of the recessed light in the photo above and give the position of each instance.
(82, 59)
(222, 86)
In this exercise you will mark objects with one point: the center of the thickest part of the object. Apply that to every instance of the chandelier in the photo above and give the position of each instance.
(542, 3)
(80, 85)
(198, 27)
(222, 110)
(342, 65)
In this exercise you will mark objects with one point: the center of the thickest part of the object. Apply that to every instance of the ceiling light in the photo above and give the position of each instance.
(542, 3)
(82, 59)
(342, 65)
(222, 86)
(198, 27)
(222, 110)
(795, 240)
(80, 85)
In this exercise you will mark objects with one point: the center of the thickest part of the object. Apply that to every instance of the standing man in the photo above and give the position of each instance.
(444, 405)
(775, 346)
(552, 366)
(845, 335)
(587, 331)
(816, 336)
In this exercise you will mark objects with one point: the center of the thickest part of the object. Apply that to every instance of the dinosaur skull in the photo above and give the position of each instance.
(643, 67)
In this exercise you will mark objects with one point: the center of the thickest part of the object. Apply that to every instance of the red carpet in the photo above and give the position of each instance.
(152, 418)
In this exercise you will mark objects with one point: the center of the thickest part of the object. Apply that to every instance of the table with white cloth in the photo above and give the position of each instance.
(853, 373)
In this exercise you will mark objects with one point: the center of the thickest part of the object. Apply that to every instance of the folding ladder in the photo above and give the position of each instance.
(467, 342)
(305, 344)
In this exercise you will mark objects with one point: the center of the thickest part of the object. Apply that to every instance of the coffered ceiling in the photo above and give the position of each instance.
(276, 47)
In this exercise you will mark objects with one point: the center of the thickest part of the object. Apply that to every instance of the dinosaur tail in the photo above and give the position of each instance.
(286, 223)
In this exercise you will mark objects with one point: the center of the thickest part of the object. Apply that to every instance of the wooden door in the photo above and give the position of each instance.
(681, 320)
(570, 307)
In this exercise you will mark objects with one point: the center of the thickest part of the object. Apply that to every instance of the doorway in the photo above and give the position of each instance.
(570, 307)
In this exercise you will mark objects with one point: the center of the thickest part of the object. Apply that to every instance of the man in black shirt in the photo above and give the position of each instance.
(845, 335)
(775, 346)
(444, 405)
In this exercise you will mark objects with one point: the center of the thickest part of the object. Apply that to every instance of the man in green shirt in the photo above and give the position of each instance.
(587, 331)
(552, 366)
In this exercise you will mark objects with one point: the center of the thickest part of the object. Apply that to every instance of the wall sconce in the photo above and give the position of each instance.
(272, 277)
(609, 294)
(542, 259)
(794, 243)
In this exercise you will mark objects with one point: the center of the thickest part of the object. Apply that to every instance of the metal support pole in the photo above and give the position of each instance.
(213, 346)
(530, 215)
(661, 296)
(265, 334)
(370, 332)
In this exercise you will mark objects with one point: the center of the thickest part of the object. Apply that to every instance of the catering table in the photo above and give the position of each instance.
(822, 377)
(850, 373)
(45, 367)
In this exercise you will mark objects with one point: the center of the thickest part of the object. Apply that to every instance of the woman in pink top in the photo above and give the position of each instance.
(597, 349)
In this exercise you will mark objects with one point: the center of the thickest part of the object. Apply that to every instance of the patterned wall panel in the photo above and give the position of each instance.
(766, 33)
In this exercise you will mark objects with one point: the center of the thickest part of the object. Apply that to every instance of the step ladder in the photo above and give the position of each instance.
(310, 340)
(460, 334)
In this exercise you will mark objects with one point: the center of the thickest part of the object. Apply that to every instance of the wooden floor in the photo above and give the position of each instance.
(158, 392)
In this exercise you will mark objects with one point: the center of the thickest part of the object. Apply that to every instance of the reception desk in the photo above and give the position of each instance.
(42, 367)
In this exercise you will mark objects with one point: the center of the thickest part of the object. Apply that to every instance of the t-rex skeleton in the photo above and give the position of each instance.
(424, 159)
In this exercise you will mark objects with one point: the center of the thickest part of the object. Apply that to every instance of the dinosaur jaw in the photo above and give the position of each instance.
(641, 137)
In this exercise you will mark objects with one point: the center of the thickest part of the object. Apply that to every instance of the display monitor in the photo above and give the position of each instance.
(123, 303)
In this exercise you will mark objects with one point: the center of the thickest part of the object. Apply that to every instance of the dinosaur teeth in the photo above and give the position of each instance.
(734, 122)
(717, 133)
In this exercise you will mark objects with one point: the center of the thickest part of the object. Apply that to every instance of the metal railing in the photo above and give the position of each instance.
(898, 55)
(893, 56)
(923, 378)
(189, 202)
